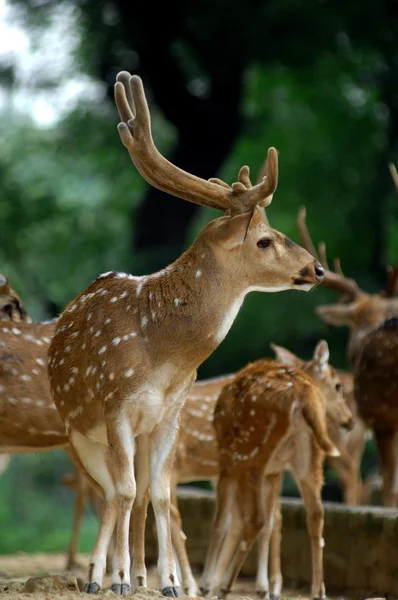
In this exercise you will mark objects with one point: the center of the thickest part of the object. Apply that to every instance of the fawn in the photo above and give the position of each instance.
(269, 417)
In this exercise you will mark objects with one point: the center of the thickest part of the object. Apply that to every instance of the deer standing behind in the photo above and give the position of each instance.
(29, 420)
(373, 354)
(269, 417)
(125, 352)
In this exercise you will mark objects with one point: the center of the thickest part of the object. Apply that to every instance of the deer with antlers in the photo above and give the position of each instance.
(125, 351)
(372, 354)
(269, 417)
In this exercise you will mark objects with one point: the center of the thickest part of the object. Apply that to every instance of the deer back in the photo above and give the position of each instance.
(29, 420)
(265, 406)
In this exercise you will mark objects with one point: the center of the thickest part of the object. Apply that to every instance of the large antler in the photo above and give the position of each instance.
(136, 135)
(335, 280)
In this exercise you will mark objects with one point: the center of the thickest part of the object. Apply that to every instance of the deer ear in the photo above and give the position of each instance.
(231, 231)
(337, 314)
(3, 280)
(257, 218)
(321, 355)
(286, 357)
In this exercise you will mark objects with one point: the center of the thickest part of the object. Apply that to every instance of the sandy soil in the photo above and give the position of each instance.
(15, 570)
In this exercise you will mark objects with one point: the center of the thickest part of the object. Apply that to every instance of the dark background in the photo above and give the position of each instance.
(225, 80)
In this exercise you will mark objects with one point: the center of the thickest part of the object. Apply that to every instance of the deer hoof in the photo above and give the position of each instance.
(121, 589)
(273, 597)
(91, 588)
(261, 594)
(203, 591)
(172, 592)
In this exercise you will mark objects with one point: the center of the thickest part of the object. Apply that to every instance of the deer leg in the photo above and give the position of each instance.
(162, 446)
(351, 484)
(222, 522)
(139, 514)
(122, 450)
(178, 538)
(276, 579)
(257, 507)
(81, 491)
(270, 535)
(97, 506)
(355, 462)
(348, 474)
(387, 449)
(94, 458)
(226, 556)
(310, 490)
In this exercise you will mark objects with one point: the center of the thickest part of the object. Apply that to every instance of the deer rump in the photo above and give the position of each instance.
(376, 377)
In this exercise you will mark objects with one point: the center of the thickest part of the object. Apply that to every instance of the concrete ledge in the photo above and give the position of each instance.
(361, 544)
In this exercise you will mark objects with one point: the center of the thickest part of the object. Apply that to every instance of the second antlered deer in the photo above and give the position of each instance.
(125, 352)
(270, 416)
(373, 354)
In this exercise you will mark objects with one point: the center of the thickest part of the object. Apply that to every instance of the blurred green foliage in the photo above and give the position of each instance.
(36, 510)
(319, 83)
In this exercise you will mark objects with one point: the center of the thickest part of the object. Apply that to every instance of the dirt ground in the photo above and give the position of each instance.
(15, 570)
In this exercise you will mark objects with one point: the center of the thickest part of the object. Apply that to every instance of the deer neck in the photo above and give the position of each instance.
(191, 304)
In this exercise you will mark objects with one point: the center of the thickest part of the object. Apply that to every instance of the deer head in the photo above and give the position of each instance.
(11, 307)
(327, 379)
(356, 309)
(253, 253)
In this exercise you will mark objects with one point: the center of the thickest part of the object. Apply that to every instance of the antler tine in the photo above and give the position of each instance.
(390, 291)
(323, 256)
(304, 233)
(337, 269)
(264, 191)
(135, 133)
(336, 281)
(394, 174)
(337, 266)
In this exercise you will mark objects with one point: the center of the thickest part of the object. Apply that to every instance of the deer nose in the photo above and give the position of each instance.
(319, 273)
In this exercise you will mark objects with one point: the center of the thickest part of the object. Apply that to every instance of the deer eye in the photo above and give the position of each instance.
(339, 387)
(264, 243)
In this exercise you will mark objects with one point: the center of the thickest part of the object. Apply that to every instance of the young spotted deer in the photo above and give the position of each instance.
(125, 352)
(269, 417)
(373, 354)
(196, 457)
